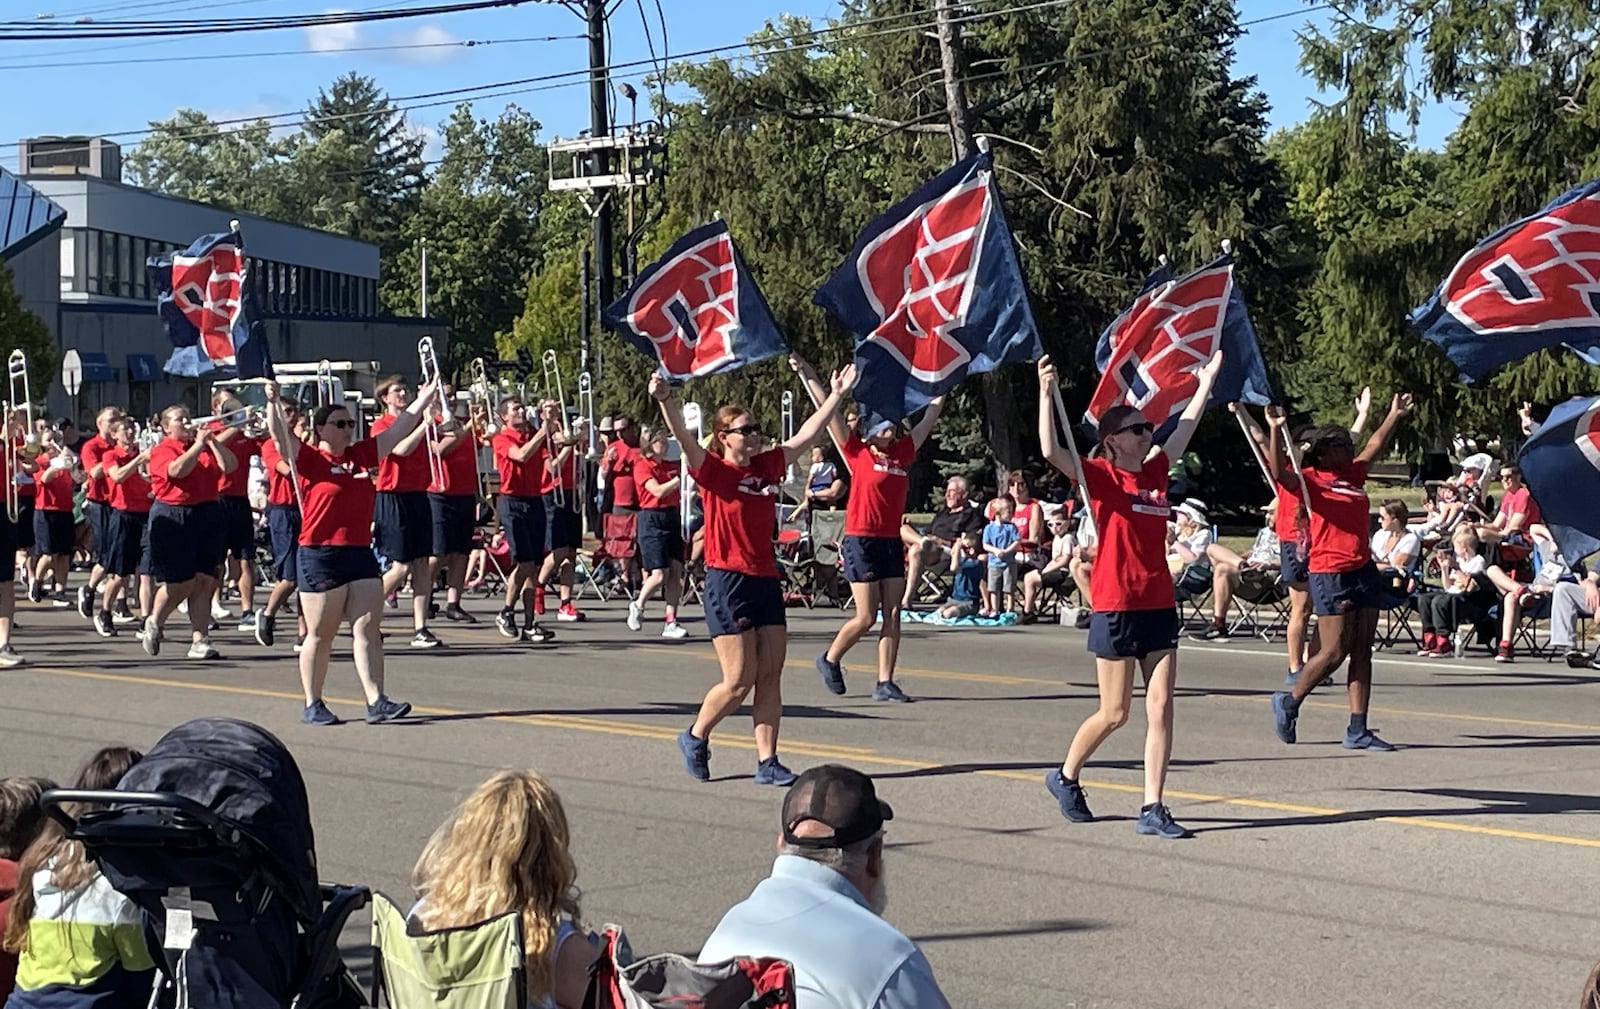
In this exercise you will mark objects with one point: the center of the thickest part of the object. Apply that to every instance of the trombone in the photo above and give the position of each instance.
(551, 382)
(325, 387)
(786, 428)
(430, 374)
(13, 452)
(17, 366)
(591, 448)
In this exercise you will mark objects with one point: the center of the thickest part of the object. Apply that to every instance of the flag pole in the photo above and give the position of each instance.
(1255, 450)
(1072, 445)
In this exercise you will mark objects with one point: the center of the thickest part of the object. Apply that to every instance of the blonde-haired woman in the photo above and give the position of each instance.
(505, 848)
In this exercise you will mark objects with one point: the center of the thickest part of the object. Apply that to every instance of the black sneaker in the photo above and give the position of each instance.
(1069, 795)
(1157, 821)
(425, 639)
(456, 613)
(537, 634)
(386, 710)
(85, 602)
(506, 622)
(1212, 633)
(103, 625)
(1577, 658)
(266, 626)
(832, 674)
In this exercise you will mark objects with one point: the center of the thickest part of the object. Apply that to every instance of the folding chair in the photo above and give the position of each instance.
(1395, 618)
(1193, 594)
(477, 967)
(825, 566)
(1261, 591)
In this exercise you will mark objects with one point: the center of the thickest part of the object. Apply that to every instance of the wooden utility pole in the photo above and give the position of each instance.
(955, 91)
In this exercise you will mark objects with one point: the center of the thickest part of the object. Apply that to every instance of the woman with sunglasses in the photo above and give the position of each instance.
(338, 572)
(1347, 591)
(879, 457)
(1135, 621)
(738, 478)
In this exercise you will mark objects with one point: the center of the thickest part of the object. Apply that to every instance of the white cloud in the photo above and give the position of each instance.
(432, 140)
(334, 37)
(441, 46)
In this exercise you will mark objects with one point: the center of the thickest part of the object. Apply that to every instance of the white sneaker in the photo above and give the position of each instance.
(218, 611)
(674, 630)
(183, 607)
(9, 657)
(202, 650)
(635, 616)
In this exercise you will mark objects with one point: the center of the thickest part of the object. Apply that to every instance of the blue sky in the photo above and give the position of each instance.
(101, 87)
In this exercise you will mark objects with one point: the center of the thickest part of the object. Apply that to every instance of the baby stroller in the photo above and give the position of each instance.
(210, 836)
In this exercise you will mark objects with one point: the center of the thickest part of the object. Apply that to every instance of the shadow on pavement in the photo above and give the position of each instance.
(1492, 802)
(1053, 927)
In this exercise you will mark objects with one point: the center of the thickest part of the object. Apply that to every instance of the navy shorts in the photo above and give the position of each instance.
(1291, 566)
(562, 529)
(24, 527)
(238, 528)
(125, 541)
(873, 558)
(98, 515)
(660, 538)
(455, 516)
(736, 602)
(185, 540)
(1132, 634)
(323, 569)
(283, 523)
(54, 532)
(522, 520)
(404, 525)
(1339, 592)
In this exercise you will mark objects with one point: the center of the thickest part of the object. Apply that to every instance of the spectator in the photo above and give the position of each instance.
(1001, 541)
(930, 551)
(966, 588)
(821, 908)
(1056, 571)
(1568, 602)
(21, 822)
(1466, 597)
(824, 488)
(1228, 569)
(1516, 513)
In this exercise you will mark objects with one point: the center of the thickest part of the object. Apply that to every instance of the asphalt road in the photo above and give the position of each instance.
(1457, 871)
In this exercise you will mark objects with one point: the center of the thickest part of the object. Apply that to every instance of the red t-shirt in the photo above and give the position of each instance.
(93, 451)
(1130, 517)
(460, 469)
(339, 495)
(402, 473)
(279, 490)
(619, 461)
(198, 487)
(236, 482)
(741, 507)
(1289, 524)
(519, 479)
(133, 493)
(569, 473)
(1520, 500)
(55, 486)
(1341, 516)
(878, 485)
(25, 484)
(659, 470)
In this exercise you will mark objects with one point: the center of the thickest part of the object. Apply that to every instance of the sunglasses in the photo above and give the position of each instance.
(748, 430)
(1145, 427)
(342, 424)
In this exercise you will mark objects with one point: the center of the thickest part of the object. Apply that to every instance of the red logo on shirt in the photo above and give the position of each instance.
(758, 485)
(1150, 502)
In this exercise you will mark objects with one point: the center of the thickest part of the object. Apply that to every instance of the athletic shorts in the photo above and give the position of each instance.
(1132, 634)
(522, 520)
(562, 529)
(455, 516)
(24, 528)
(873, 558)
(323, 569)
(736, 602)
(125, 542)
(54, 532)
(185, 540)
(660, 538)
(98, 515)
(283, 523)
(403, 524)
(238, 528)
(1291, 566)
(1339, 592)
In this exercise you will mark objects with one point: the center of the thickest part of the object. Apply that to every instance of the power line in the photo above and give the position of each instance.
(173, 29)
(396, 47)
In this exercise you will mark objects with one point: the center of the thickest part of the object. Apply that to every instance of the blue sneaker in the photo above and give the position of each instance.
(318, 714)
(1157, 821)
(832, 674)
(1367, 740)
(1283, 717)
(1069, 795)
(890, 691)
(1292, 678)
(770, 772)
(385, 710)
(696, 755)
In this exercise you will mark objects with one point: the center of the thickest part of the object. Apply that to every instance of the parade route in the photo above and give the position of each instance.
(1453, 872)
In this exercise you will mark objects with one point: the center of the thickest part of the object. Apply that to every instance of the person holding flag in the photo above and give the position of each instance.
(738, 477)
(1135, 622)
(283, 525)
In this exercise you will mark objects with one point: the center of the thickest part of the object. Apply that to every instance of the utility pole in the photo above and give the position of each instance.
(952, 65)
(600, 128)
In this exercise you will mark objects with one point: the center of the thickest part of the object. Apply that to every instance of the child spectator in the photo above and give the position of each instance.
(21, 820)
(79, 942)
(1465, 599)
(966, 564)
(1001, 540)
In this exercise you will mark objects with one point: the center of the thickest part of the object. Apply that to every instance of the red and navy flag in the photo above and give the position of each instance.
(202, 298)
(1561, 463)
(697, 310)
(1149, 354)
(1531, 285)
(933, 293)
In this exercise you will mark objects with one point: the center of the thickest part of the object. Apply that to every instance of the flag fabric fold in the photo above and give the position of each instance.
(1561, 464)
(203, 299)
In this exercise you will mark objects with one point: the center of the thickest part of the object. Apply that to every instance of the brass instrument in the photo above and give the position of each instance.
(553, 390)
(325, 387)
(17, 366)
(483, 399)
(429, 359)
(13, 455)
(786, 431)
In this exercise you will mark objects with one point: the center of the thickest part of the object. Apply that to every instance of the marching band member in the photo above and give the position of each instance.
(338, 572)
(658, 484)
(185, 532)
(519, 455)
(453, 500)
(8, 554)
(97, 503)
(563, 527)
(403, 517)
(738, 479)
(57, 475)
(27, 446)
(283, 524)
(125, 468)
(233, 502)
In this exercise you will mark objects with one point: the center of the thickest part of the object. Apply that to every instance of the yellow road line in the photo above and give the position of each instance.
(829, 751)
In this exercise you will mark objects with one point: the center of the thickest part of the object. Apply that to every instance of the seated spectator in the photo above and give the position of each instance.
(1518, 594)
(506, 848)
(821, 908)
(1465, 600)
(1001, 541)
(21, 822)
(966, 589)
(1444, 511)
(930, 551)
(1516, 513)
(1395, 548)
(1055, 573)
(79, 943)
(824, 488)
(1568, 602)
(1187, 540)
(1228, 568)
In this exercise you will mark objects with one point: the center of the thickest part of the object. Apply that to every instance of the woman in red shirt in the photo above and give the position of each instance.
(9, 538)
(739, 478)
(129, 499)
(338, 572)
(1135, 621)
(57, 474)
(563, 529)
(1346, 589)
(186, 534)
(520, 450)
(658, 483)
(879, 456)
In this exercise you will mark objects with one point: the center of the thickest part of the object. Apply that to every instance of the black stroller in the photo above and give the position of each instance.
(210, 835)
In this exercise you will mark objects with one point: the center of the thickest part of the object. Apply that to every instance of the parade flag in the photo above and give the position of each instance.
(1561, 464)
(203, 300)
(933, 293)
(697, 310)
(1531, 285)
(1150, 353)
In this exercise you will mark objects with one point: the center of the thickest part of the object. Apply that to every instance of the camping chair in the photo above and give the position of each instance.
(1394, 628)
(1262, 600)
(823, 569)
(477, 967)
(1193, 593)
